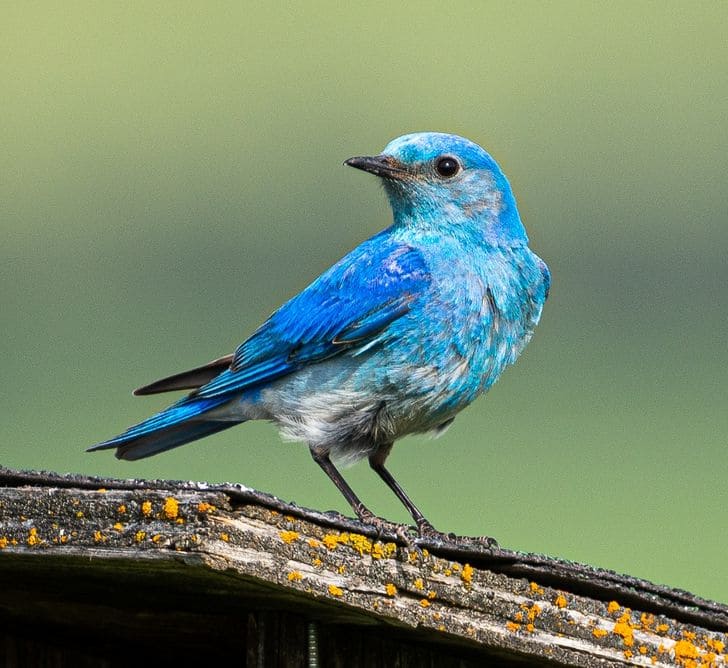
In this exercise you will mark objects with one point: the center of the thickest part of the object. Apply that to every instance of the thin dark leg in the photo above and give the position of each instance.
(323, 460)
(376, 461)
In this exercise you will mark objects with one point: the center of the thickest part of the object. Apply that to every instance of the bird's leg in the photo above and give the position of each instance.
(321, 457)
(376, 461)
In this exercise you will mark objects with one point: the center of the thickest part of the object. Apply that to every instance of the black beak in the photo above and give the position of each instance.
(381, 165)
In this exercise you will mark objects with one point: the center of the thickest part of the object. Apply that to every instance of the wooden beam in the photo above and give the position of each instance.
(91, 553)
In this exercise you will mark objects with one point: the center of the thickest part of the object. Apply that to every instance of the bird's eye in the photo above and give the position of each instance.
(447, 166)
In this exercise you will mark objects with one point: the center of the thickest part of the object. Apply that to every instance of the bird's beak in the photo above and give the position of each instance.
(382, 165)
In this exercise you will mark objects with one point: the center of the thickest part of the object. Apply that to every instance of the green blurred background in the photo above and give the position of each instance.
(171, 172)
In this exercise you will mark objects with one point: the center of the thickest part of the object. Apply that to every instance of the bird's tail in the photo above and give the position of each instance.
(181, 423)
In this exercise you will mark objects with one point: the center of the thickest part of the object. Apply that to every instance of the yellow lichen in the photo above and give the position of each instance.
(79, 514)
(612, 607)
(560, 601)
(431, 594)
(312, 542)
(33, 537)
(447, 572)
(289, 518)
(101, 490)
(599, 633)
(121, 509)
(147, 508)
(512, 626)
(99, 537)
(204, 507)
(180, 520)
(419, 584)
(390, 589)
(456, 567)
(158, 537)
(288, 536)
(317, 562)
(119, 526)
(170, 509)
(139, 536)
(332, 540)
(341, 569)
(225, 536)
(3, 542)
(360, 543)
(295, 576)
(335, 591)
(424, 603)
(467, 575)
(535, 588)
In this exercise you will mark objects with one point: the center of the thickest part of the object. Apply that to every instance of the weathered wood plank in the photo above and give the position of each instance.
(191, 564)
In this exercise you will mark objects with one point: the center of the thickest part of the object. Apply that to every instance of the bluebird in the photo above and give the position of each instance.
(395, 338)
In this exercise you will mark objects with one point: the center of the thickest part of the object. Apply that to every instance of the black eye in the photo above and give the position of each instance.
(447, 166)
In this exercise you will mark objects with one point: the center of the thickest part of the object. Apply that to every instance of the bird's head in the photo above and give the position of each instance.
(436, 179)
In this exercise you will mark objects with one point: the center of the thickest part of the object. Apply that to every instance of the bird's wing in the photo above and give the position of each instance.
(187, 380)
(349, 307)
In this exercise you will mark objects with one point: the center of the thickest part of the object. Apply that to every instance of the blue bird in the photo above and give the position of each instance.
(395, 338)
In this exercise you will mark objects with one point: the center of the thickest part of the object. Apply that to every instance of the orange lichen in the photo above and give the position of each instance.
(341, 569)
(3, 542)
(317, 562)
(431, 594)
(599, 633)
(642, 649)
(225, 536)
(390, 589)
(535, 588)
(530, 627)
(295, 576)
(335, 591)
(170, 509)
(716, 645)
(204, 507)
(33, 537)
(139, 536)
(532, 611)
(518, 616)
(467, 575)
(119, 526)
(419, 584)
(685, 651)
(613, 607)
(424, 603)
(288, 536)
(147, 508)
(662, 628)
(647, 620)
(627, 654)
(121, 509)
(99, 537)
(512, 626)
(312, 542)
(624, 628)
(560, 601)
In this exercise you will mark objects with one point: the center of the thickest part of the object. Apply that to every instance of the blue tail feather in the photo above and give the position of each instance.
(179, 424)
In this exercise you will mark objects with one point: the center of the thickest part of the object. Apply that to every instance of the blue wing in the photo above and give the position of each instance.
(349, 307)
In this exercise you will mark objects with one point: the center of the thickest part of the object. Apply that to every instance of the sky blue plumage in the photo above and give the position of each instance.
(397, 337)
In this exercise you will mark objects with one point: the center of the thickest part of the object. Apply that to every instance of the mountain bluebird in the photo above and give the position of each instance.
(395, 338)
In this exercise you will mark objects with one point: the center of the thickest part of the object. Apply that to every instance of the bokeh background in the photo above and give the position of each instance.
(171, 172)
